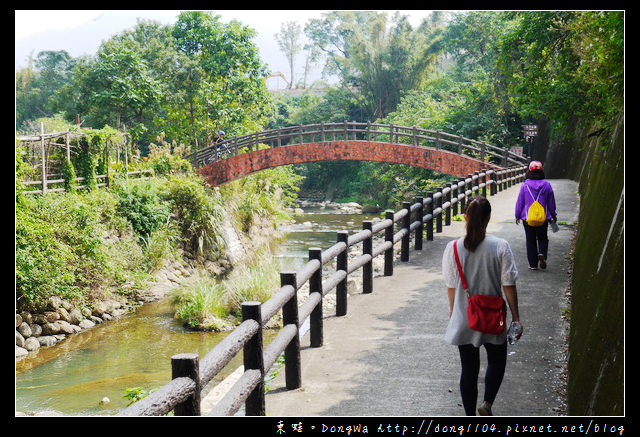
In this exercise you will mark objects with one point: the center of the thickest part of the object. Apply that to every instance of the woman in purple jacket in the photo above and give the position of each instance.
(535, 187)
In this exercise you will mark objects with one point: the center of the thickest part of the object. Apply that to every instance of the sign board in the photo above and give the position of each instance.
(530, 130)
(517, 150)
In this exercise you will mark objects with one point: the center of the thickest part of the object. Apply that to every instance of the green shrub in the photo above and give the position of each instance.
(142, 203)
(73, 245)
(202, 306)
(199, 214)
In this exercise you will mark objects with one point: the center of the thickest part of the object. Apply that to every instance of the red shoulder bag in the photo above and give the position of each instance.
(487, 314)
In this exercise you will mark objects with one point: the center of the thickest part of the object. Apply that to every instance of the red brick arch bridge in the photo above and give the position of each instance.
(435, 150)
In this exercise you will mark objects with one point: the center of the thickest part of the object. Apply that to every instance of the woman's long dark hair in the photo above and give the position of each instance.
(477, 214)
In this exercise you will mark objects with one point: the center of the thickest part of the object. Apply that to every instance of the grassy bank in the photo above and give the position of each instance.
(106, 243)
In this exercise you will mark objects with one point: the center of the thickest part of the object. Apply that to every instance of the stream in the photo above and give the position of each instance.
(134, 350)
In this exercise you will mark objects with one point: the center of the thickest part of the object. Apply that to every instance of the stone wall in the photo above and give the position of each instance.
(60, 319)
(595, 158)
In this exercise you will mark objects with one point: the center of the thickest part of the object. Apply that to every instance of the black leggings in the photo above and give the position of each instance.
(470, 359)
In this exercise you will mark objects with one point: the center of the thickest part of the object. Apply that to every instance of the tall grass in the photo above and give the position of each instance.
(214, 305)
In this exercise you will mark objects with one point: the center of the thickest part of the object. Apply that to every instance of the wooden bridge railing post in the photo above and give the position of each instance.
(293, 373)
(388, 238)
(187, 365)
(342, 264)
(476, 183)
(438, 204)
(419, 216)
(454, 198)
(316, 333)
(492, 182)
(484, 182)
(253, 357)
(447, 213)
(462, 184)
(367, 249)
(406, 238)
(430, 208)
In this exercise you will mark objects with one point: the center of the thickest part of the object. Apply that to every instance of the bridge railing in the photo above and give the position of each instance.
(355, 131)
(425, 215)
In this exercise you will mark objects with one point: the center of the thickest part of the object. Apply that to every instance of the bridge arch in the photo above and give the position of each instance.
(235, 167)
(435, 150)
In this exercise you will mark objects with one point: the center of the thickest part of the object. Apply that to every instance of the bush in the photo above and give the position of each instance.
(142, 203)
(202, 306)
(64, 247)
(199, 215)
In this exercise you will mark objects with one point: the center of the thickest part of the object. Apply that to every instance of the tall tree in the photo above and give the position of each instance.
(225, 75)
(289, 42)
(375, 58)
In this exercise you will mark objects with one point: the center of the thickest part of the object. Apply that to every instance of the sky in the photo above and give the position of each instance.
(80, 32)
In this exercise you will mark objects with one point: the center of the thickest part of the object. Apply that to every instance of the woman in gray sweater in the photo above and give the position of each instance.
(489, 267)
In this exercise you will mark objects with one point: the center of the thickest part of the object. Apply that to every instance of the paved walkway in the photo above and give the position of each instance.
(387, 356)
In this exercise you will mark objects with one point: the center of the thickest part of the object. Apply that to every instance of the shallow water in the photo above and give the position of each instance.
(135, 350)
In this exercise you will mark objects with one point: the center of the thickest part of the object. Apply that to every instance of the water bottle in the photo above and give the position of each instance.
(514, 330)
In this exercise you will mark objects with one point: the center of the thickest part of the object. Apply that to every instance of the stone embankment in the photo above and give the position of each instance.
(60, 319)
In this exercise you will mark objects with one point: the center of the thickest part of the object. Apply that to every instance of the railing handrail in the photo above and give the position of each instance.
(325, 132)
(184, 397)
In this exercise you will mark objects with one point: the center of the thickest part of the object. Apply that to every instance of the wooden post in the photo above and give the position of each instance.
(342, 264)
(454, 198)
(253, 359)
(388, 237)
(67, 142)
(463, 200)
(406, 239)
(420, 228)
(367, 249)
(430, 208)
(293, 377)
(447, 214)
(477, 182)
(44, 159)
(493, 189)
(106, 158)
(187, 365)
(315, 286)
(436, 206)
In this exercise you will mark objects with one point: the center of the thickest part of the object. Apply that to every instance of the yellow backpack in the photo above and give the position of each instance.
(536, 216)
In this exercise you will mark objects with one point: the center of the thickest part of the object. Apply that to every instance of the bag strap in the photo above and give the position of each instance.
(539, 193)
(455, 252)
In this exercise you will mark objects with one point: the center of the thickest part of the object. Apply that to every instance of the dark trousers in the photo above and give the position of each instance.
(537, 242)
(470, 359)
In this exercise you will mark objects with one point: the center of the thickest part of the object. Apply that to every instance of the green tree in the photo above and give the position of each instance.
(375, 58)
(224, 86)
(122, 84)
